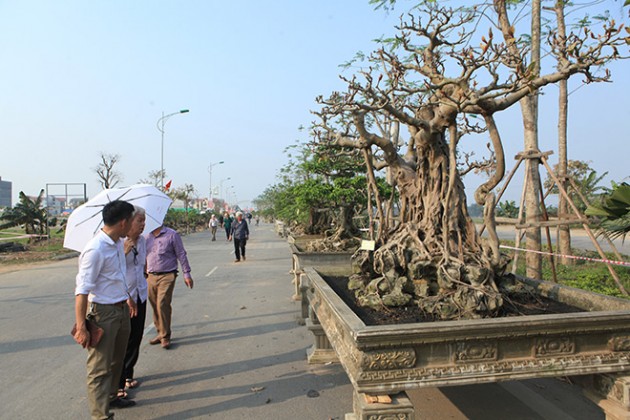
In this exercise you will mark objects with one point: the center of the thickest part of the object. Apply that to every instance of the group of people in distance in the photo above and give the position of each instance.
(236, 229)
(119, 270)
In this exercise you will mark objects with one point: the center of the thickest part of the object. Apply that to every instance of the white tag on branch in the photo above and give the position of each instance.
(368, 245)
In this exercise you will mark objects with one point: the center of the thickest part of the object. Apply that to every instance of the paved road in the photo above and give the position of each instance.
(238, 352)
(579, 239)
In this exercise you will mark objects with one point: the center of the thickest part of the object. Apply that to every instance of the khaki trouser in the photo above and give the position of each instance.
(105, 361)
(160, 295)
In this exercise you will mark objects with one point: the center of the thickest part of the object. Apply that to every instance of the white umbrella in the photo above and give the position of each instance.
(86, 220)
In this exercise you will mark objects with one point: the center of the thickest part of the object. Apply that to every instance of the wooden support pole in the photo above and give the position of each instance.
(507, 182)
(517, 240)
(546, 217)
(586, 227)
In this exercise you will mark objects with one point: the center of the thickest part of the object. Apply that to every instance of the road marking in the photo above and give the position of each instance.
(211, 271)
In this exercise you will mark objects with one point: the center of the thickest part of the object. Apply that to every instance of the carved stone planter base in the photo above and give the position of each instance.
(304, 298)
(390, 359)
(321, 351)
(317, 356)
(399, 409)
(611, 392)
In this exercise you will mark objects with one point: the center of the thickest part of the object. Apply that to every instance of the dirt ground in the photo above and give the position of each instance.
(13, 261)
(515, 305)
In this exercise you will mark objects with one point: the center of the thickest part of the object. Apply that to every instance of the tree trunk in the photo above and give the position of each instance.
(345, 236)
(564, 231)
(529, 111)
(434, 256)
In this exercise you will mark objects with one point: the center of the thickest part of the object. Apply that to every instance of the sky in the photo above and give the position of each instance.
(83, 77)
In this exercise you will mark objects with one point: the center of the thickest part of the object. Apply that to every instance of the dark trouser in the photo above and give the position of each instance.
(133, 345)
(213, 229)
(239, 247)
(105, 361)
(227, 233)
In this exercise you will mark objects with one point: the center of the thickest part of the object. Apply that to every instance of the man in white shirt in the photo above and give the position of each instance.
(101, 284)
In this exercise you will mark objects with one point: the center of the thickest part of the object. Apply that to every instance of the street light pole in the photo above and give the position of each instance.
(160, 126)
(227, 194)
(210, 181)
(221, 186)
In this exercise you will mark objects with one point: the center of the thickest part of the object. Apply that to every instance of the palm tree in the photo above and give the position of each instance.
(614, 211)
(28, 213)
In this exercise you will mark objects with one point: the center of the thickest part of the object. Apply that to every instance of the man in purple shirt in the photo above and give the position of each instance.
(164, 250)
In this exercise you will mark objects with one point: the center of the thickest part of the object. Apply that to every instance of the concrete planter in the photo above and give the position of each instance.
(331, 261)
(393, 358)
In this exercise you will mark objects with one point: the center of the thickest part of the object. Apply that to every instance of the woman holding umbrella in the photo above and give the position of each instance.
(135, 254)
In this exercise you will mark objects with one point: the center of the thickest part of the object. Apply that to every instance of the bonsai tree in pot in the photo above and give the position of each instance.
(440, 79)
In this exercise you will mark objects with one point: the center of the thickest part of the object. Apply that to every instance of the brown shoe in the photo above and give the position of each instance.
(166, 344)
(154, 341)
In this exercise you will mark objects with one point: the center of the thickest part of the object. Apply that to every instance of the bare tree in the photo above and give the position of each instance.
(108, 177)
(154, 178)
(434, 256)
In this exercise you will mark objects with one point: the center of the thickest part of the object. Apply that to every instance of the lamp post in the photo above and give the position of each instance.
(210, 181)
(160, 126)
(221, 186)
(227, 194)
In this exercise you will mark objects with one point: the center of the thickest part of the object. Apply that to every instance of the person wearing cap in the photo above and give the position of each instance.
(240, 234)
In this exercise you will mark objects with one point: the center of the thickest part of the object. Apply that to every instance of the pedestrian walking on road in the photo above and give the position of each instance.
(240, 235)
(213, 224)
(164, 250)
(135, 255)
(101, 283)
(227, 224)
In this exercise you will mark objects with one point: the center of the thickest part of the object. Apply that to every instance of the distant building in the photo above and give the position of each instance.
(76, 202)
(5, 193)
(56, 205)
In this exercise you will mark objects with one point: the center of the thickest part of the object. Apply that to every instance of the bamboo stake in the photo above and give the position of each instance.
(507, 182)
(517, 240)
(546, 218)
(586, 227)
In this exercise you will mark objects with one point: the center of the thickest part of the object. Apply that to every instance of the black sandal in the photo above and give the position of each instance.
(131, 383)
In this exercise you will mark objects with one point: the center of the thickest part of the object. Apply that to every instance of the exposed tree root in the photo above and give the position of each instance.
(412, 268)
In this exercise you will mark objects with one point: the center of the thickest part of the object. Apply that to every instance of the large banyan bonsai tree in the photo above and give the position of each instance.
(441, 79)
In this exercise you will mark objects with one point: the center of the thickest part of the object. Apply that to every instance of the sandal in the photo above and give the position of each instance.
(131, 383)
(122, 394)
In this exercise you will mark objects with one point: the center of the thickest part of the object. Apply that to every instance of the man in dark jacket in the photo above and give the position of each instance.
(240, 235)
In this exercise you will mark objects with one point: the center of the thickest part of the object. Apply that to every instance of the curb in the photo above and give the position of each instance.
(66, 256)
